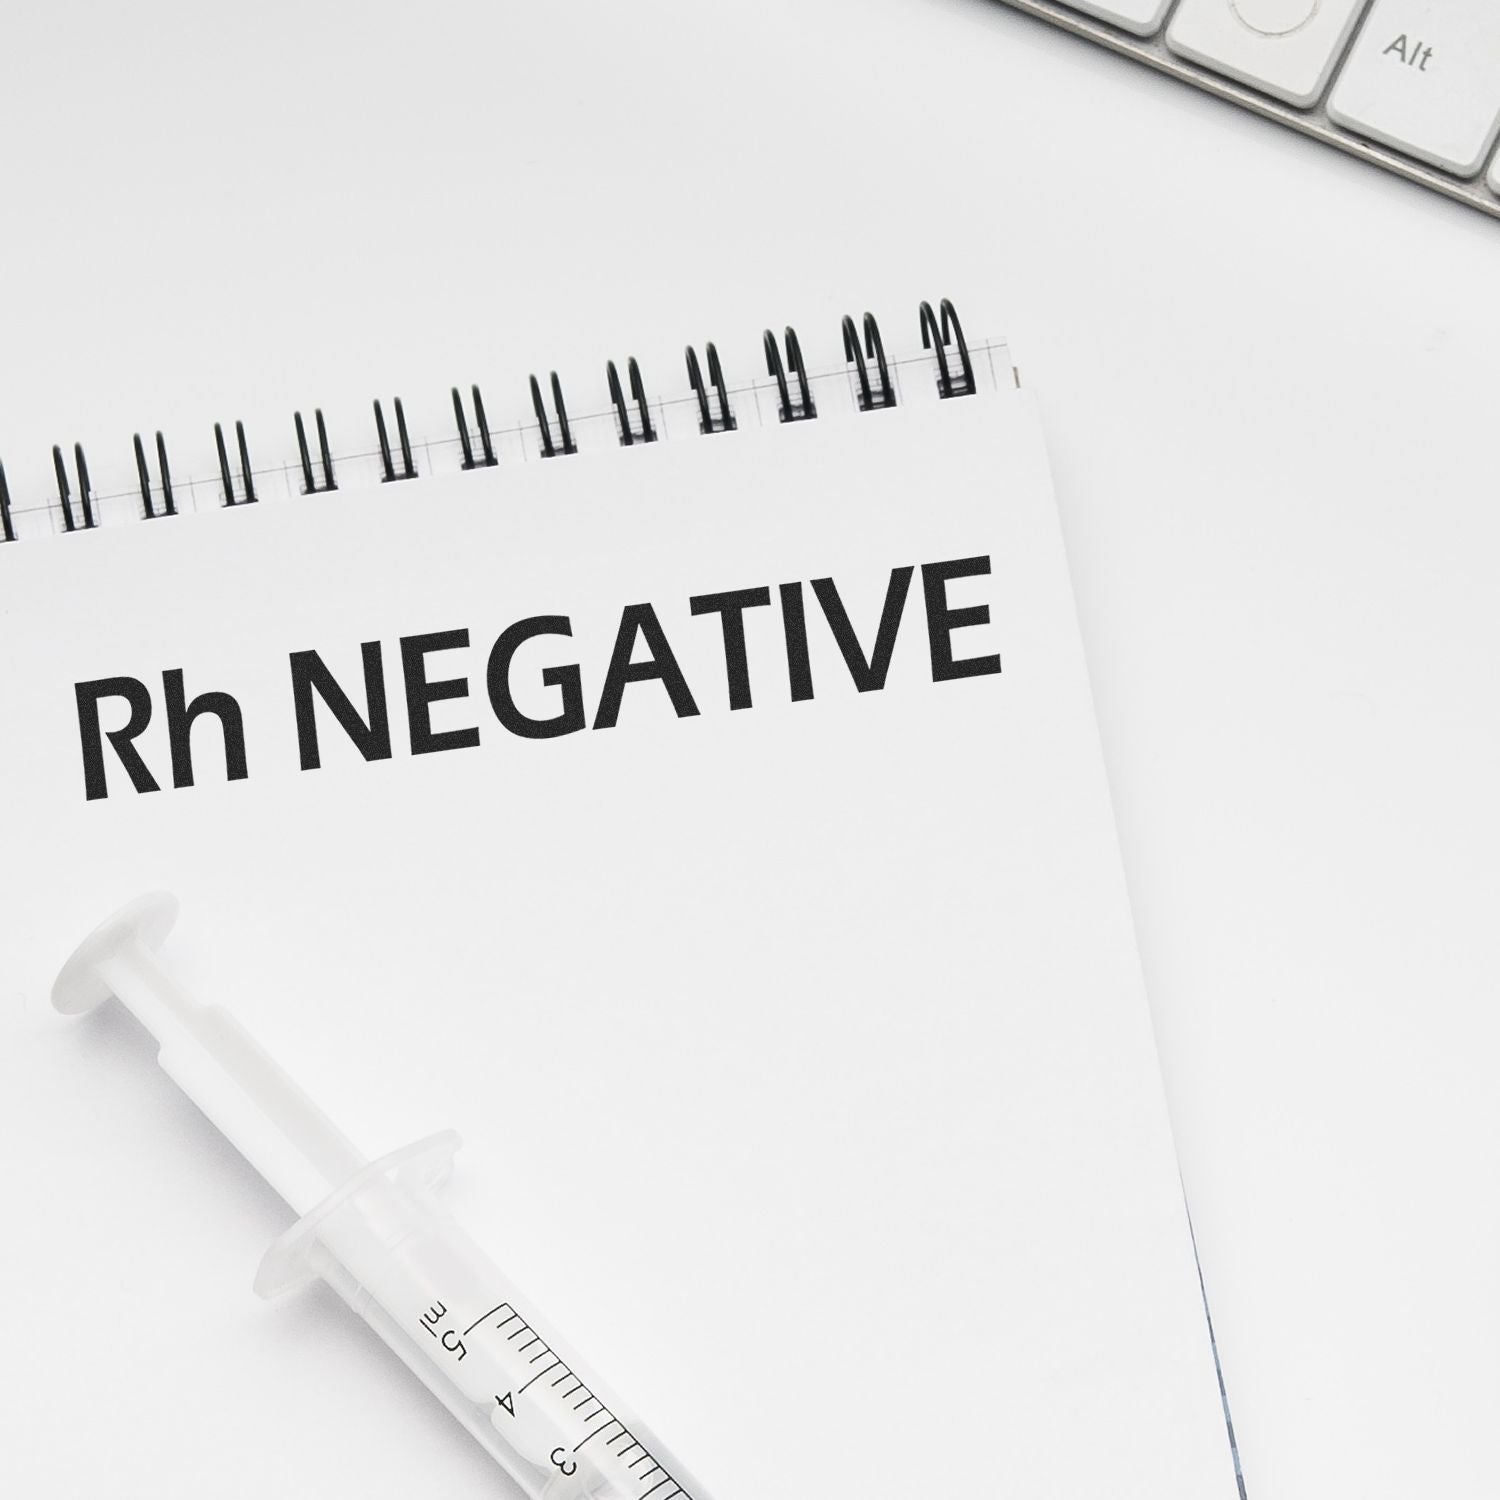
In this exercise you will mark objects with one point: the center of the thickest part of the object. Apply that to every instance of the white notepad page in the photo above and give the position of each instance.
(800, 1048)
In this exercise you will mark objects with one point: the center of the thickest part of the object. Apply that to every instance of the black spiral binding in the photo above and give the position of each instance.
(169, 505)
(803, 409)
(7, 529)
(85, 492)
(470, 462)
(310, 485)
(389, 473)
(864, 349)
(628, 434)
(869, 400)
(939, 337)
(565, 433)
(707, 421)
(247, 478)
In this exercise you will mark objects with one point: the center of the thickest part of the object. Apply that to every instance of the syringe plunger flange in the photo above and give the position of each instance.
(81, 984)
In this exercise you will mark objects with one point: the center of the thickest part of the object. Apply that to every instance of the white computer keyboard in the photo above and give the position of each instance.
(1412, 85)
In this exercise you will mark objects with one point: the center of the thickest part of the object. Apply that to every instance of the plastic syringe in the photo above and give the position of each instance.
(375, 1233)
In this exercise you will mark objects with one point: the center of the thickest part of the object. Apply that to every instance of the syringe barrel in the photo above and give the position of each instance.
(389, 1249)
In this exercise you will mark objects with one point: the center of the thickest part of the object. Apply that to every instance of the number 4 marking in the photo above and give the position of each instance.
(507, 1402)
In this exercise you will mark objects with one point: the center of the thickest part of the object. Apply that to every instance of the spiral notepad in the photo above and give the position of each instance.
(691, 792)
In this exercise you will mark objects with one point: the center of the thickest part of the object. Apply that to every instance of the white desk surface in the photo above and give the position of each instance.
(1270, 377)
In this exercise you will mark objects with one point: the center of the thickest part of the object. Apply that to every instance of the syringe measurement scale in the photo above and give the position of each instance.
(524, 1361)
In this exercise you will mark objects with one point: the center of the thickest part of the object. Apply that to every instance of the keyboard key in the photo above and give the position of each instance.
(1285, 48)
(1140, 16)
(1424, 76)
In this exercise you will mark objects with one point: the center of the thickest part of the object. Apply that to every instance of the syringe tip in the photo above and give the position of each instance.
(149, 918)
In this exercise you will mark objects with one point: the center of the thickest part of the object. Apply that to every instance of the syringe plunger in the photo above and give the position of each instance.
(376, 1233)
